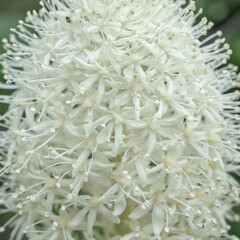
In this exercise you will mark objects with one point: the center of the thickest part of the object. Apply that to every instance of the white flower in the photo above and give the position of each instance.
(121, 125)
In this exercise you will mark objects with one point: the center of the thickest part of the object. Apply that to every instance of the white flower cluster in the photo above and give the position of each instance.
(121, 126)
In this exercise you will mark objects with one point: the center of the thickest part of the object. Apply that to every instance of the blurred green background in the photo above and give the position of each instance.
(224, 13)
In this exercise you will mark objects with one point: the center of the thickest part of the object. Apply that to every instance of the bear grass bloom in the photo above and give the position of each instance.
(121, 125)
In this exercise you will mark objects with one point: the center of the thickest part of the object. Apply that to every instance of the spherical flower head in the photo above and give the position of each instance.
(121, 125)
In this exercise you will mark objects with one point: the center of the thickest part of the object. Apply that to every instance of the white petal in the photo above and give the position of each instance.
(91, 219)
(158, 219)
(104, 134)
(161, 109)
(88, 82)
(118, 139)
(151, 142)
(82, 158)
(129, 236)
(122, 98)
(108, 214)
(120, 204)
(142, 75)
(54, 236)
(78, 218)
(110, 192)
(141, 171)
(137, 213)
(169, 87)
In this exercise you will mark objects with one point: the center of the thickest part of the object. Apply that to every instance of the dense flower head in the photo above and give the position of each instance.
(121, 125)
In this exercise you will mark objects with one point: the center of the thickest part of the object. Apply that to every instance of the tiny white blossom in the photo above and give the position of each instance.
(122, 124)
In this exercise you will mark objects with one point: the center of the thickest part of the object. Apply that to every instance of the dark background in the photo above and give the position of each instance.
(224, 13)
